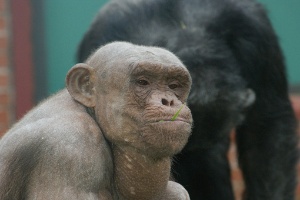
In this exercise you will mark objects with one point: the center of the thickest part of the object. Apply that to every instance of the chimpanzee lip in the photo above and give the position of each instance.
(179, 119)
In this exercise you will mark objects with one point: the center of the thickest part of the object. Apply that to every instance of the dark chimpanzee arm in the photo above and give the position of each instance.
(267, 154)
(267, 139)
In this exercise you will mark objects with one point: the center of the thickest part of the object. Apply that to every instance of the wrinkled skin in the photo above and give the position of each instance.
(239, 82)
(109, 135)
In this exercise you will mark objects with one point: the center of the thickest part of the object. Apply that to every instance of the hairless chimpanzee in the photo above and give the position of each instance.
(110, 135)
(239, 81)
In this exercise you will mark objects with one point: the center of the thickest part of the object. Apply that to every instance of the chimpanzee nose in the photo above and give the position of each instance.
(167, 102)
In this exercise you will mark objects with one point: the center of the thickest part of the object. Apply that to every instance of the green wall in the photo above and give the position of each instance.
(67, 20)
(285, 16)
(65, 23)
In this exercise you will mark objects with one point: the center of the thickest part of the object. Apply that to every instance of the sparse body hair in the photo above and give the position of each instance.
(109, 135)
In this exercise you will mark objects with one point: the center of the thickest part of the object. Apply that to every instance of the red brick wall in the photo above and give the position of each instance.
(6, 82)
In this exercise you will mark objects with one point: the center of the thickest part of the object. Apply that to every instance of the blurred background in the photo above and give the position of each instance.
(39, 38)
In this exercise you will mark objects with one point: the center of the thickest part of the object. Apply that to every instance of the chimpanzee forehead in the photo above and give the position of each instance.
(126, 58)
(159, 70)
(157, 56)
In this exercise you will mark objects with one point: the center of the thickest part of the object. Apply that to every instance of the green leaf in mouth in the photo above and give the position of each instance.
(177, 113)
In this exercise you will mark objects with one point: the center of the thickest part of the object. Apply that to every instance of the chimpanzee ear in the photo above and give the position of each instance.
(80, 82)
(247, 98)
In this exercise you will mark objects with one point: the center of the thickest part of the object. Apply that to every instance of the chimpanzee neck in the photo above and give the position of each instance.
(138, 176)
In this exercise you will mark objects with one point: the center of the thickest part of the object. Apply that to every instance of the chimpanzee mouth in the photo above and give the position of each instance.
(170, 120)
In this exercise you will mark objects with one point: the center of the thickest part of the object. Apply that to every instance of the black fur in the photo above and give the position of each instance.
(232, 53)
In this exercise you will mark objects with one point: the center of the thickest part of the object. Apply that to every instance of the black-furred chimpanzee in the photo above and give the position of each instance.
(239, 81)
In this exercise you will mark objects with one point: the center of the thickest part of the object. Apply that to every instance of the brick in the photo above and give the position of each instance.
(4, 81)
(4, 117)
(295, 99)
(3, 129)
(4, 99)
(3, 60)
(3, 23)
(238, 187)
(2, 5)
(3, 43)
(236, 175)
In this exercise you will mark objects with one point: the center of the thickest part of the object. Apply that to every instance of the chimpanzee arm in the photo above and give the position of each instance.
(267, 140)
(267, 152)
(60, 164)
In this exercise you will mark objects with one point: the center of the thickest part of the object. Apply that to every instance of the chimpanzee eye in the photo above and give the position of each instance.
(173, 86)
(142, 82)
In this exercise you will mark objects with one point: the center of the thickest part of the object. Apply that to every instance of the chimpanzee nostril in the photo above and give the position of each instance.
(172, 103)
(165, 102)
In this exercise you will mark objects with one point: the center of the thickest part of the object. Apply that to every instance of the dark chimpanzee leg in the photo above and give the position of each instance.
(267, 153)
